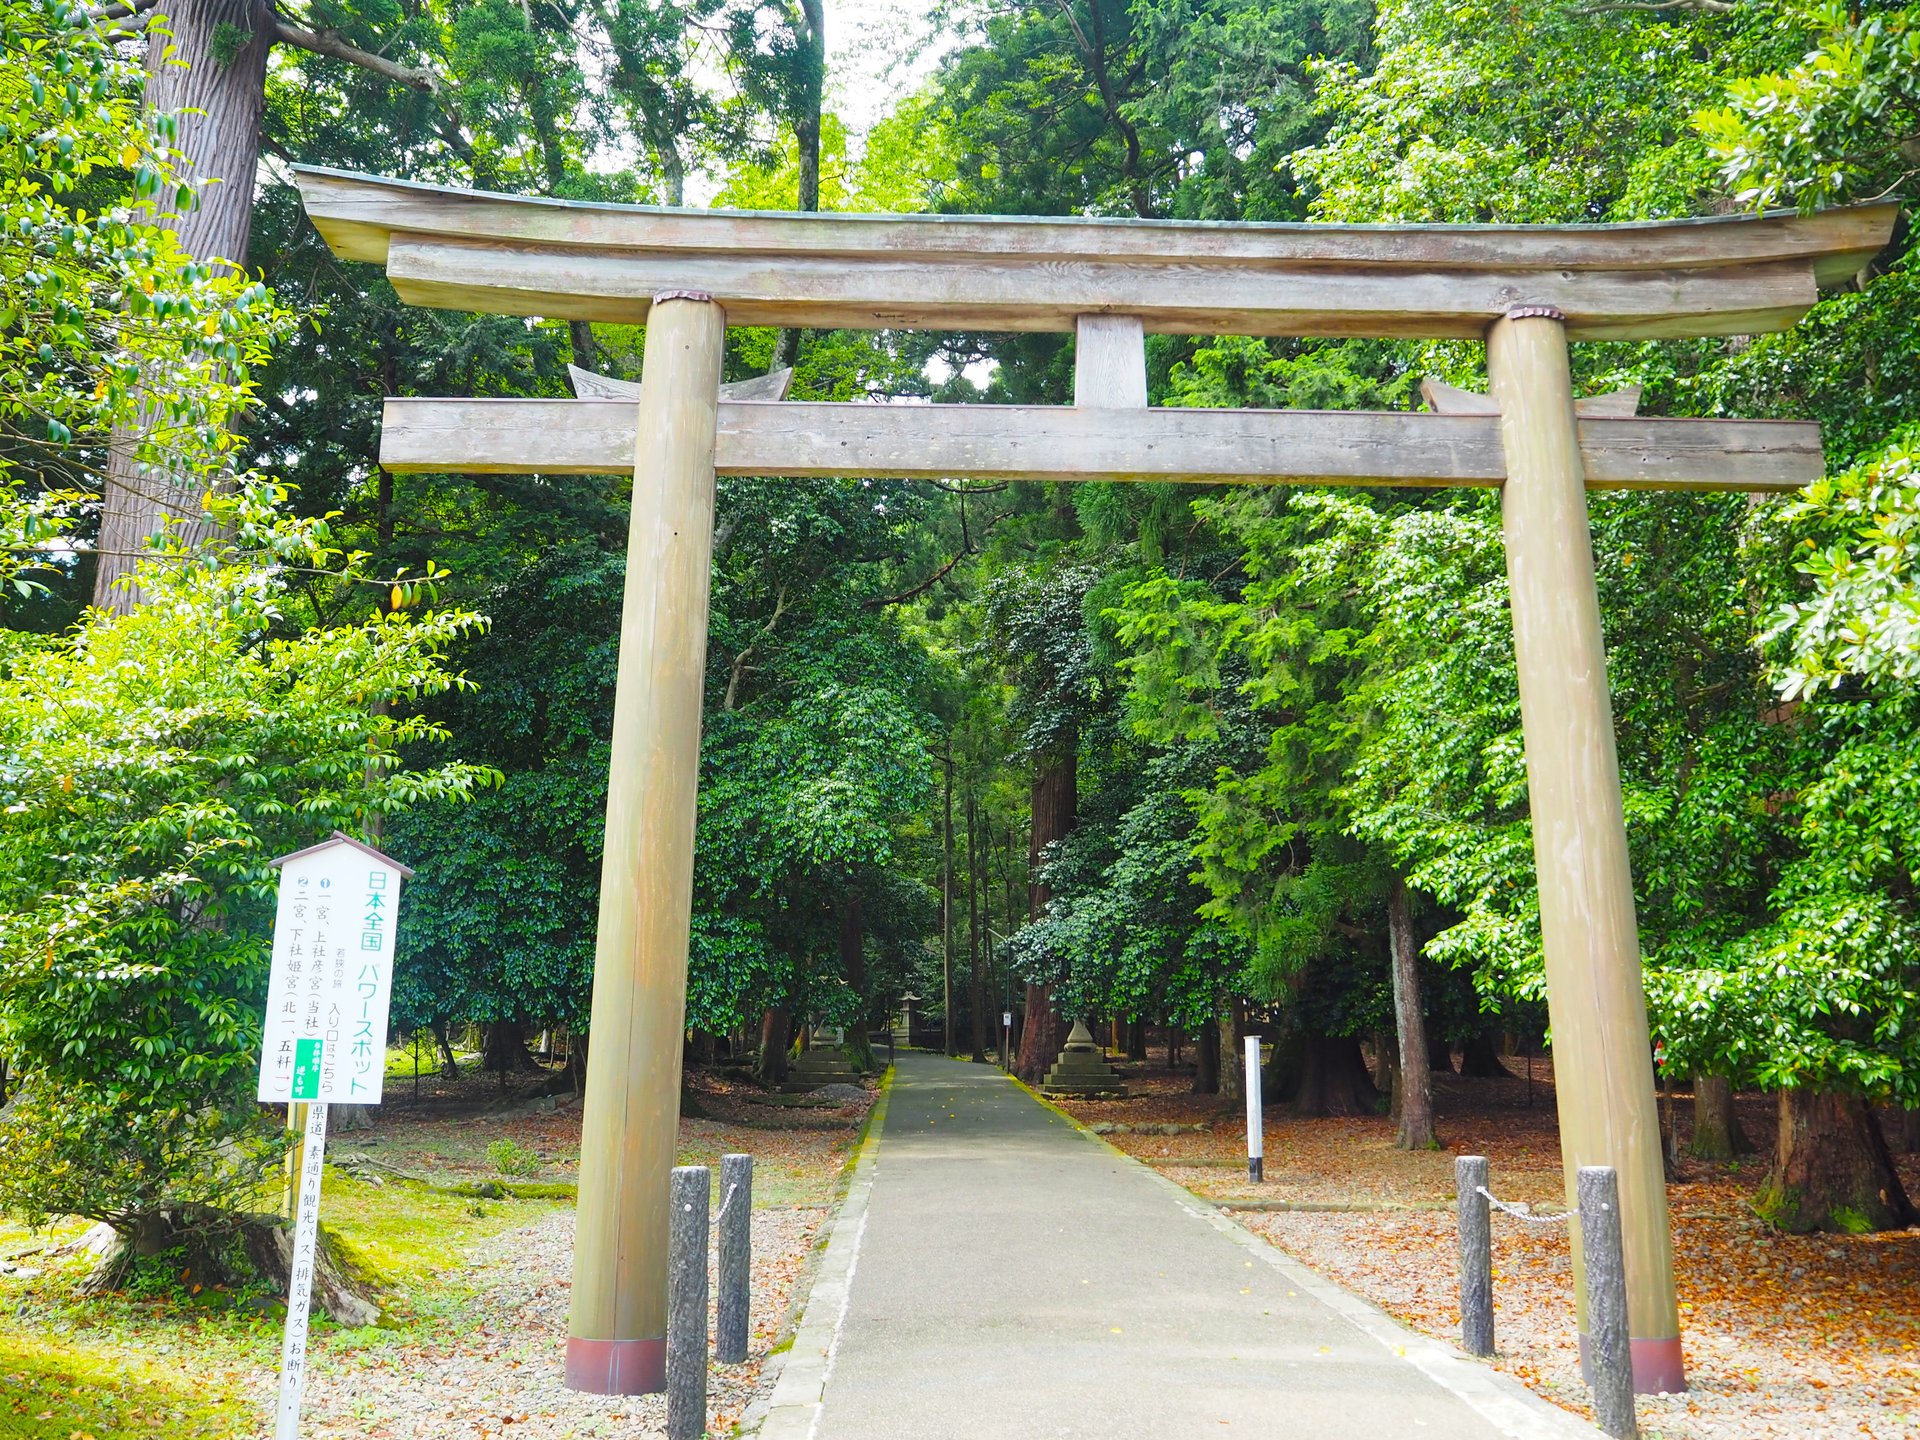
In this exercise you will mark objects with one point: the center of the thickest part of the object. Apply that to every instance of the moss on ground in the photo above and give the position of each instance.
(168, 1359)
(58, 1391)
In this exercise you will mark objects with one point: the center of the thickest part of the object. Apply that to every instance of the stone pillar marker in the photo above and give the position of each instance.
(617, 1330)
(687, 1303)
(734, 1262)
(1475, 1224)
(1603, 1061)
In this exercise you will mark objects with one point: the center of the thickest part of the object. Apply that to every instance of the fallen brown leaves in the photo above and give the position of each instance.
(1802, 1336)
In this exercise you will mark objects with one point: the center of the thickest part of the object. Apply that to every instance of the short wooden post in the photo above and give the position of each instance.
(617, 1331)
(687, 1304)
(1602, 1051)
(1476, 1254)
(736, 1259)
(1605, 1347)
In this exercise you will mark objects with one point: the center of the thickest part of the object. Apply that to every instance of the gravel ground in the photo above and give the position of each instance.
(503, 1377)
(1822, 1363)
(1810, 1336)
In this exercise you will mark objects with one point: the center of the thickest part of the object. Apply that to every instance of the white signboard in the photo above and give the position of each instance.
(326, 1035)
(326, 1031)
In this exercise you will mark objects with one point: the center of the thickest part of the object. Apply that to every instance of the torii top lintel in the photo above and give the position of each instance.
(514, 255)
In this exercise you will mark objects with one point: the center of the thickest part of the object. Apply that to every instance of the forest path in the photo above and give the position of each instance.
(997, 1274)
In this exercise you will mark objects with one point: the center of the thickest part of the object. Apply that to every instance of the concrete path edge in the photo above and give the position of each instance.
(792, 1408)
(1505, 1403)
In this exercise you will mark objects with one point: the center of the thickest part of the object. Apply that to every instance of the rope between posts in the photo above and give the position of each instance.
(724, 1204)
(1521, 1211)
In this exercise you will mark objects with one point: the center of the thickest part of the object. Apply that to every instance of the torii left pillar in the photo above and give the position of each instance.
(617, 1331)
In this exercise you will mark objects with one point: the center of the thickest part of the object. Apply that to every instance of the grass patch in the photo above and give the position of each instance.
(55, 1391)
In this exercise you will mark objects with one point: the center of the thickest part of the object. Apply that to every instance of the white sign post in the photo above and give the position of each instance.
(1256, 1114)
(326, 1035)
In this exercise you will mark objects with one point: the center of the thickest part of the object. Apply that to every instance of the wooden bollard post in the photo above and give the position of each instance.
(687, 1304)
(1476, 1254)
(736, 1258)
(1603, 1066)
(616, 1331)
(1609, 1360)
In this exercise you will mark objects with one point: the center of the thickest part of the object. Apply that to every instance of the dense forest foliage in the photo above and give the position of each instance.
(1141, 754)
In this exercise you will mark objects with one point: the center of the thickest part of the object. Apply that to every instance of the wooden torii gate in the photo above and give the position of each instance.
(1525, 290)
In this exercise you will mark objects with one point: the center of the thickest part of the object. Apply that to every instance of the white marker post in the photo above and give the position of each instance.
(326, 1036)
(1256, 1120)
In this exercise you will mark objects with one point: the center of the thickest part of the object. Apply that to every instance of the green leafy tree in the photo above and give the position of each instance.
(155, 764)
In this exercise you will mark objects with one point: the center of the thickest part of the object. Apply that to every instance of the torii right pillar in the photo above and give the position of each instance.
(1603, 1061)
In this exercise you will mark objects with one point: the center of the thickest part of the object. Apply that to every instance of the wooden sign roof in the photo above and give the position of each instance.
(471, 250)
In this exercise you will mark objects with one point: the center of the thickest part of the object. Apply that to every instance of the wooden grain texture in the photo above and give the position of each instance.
(357, 213)
(1110, 362)
(1011, 442)
(1174, 296)
(468, 250)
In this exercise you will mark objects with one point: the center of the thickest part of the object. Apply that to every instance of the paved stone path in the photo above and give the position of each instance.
(998, 1275)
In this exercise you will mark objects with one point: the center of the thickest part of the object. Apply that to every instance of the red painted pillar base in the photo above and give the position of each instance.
(617, 1367)
(1658, 1368)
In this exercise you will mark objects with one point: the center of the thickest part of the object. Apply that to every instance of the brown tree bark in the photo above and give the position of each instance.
(1206, 1060)
(1232, 1061)
(1410, 1026)
(1832, 1169)
(1902, 1129)
(219, 107)
(776, 1034)
(1334, 1079)
(976, 979)
(1055, 798)
(449, 1066)
(853, 965)
(946, 911)
(810, 37)
(1480, 1058)
(1716, 1126)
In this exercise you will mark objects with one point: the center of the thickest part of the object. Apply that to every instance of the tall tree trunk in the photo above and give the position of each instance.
(1410, 1025)
(1055, 798)
(1480, 1058)
(811, 41)
(946, 911)
(1439, 1050)
(1334, 1079)
(1716, 1125)
(1832, 1169)
(1013, 907)
(1232, 1063)
(218, 107)
(1137, 1040)
(776, 1033)
(1902, 1129)
(449, 1066)
(853, 965)
(976, 986)
(1206, 1060)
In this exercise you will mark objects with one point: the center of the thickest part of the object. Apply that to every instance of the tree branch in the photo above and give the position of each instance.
(329, 43)
(740, 660)
(967, 548)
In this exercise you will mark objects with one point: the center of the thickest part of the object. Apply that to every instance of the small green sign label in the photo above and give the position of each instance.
(306, 1069)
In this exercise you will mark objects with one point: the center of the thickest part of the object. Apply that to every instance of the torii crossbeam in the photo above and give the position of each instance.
(1527, 290)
